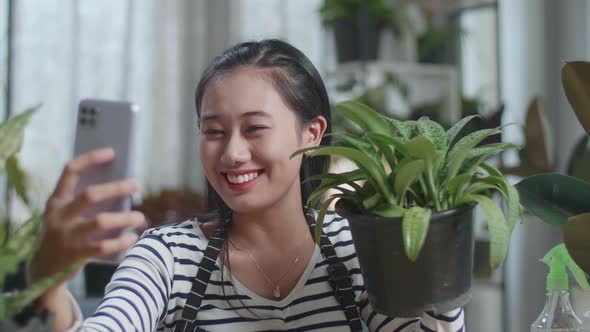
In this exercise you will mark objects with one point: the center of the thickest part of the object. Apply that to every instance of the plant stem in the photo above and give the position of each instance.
(431, 187)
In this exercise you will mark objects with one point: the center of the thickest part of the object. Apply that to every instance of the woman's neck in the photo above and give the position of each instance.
(278, 226)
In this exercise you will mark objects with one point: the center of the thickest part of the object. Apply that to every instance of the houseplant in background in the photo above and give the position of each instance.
(562, 201)
(558, 199)
(17, 241)
(345, 17)
(410, 207)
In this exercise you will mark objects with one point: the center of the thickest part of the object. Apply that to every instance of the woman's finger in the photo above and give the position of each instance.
(71, 173)
(110, 246)
(108, 221)
(99, 193)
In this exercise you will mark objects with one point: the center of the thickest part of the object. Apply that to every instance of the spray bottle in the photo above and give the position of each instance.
(558, 314)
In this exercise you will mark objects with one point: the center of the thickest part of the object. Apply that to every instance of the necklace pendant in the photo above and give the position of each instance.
(276, 292)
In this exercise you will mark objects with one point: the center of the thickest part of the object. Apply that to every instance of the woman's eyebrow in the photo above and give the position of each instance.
(209, 117)
(256, 113)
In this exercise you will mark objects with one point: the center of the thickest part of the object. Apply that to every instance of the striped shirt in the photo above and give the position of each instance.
(151, 285)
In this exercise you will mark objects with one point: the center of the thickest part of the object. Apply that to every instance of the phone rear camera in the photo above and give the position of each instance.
(82, 121)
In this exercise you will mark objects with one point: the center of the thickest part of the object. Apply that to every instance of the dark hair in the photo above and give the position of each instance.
(297, 81)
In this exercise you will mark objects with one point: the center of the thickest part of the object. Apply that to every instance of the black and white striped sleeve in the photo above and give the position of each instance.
(137, 296)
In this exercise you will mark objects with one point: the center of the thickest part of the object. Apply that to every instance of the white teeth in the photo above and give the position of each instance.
(242, 178)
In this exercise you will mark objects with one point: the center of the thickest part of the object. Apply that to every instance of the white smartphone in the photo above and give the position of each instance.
(107, 123)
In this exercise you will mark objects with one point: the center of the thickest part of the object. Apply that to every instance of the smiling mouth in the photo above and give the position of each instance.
(242, 178)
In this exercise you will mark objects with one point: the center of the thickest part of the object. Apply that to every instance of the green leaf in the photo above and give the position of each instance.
(403, 130)
(459, 152)
(459, 183)
(406, 175)
(576, 233)
(321, 215)
(341, 178)
(14, 302)
(478, 155)
(360, 144)
(371, 201)
(575, 77)
(554, 198)
(366, 118)
(499, 233)
(454, 131)
(387, 210)
(352, 141)
(383, 141)
(421, 148)
(491, 170)
(11, 134)
(509, 192)
(17, 178)
(434, 132)
(513, 202)
(414, 229)
(375, 172)
(316, 195)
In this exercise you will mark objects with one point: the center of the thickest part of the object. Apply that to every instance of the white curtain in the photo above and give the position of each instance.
(150, 52)
(135, 50)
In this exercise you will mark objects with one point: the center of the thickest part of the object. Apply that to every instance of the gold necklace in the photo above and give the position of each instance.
(276, 292)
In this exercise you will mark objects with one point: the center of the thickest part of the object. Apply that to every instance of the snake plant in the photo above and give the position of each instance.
(411, 169)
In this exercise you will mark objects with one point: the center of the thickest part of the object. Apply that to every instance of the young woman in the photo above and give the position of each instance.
(253, 265)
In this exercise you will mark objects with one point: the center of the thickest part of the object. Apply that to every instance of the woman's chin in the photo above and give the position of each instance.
(243, 205)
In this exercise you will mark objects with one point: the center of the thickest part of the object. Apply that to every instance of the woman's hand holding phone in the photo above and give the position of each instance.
(67, 236)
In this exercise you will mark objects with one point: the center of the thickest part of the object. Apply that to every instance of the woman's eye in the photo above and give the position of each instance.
(213, 132)
(252, 129)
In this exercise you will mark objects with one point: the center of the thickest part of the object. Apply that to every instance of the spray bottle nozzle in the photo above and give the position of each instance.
(558, 259)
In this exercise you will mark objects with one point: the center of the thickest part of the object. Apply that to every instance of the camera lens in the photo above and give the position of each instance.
(82, 121)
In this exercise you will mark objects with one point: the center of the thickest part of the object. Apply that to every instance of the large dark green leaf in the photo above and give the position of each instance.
(554, 197)
(575, 77)
(576, 236)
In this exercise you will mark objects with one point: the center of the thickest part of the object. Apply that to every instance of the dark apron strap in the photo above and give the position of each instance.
(339, 278)
(338, 275)
(195, 297)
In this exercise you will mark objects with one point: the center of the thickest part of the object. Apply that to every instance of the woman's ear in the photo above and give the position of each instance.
(313, 132)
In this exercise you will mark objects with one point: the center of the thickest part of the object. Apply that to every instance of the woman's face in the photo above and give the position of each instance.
(247, 135)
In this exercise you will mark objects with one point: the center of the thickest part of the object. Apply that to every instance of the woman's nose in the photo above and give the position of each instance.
(236, 151)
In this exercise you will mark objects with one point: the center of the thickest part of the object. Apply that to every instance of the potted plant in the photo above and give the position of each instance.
(558, 199)
(410, 207)
(18, 241)
(345, 16)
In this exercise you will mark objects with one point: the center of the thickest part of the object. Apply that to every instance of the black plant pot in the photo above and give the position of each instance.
(439, 280)
(352, 45)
